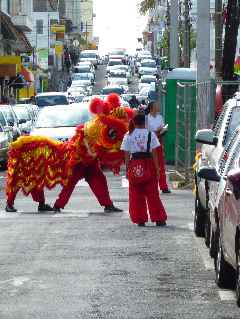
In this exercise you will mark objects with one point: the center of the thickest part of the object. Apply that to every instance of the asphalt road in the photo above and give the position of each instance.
(87, 264)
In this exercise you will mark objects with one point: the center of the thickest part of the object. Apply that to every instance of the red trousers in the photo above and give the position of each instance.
(143, 195)
(162, 180)
(94, 177)
(37, 196)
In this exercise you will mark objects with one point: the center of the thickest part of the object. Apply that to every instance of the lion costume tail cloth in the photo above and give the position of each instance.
(35, 162)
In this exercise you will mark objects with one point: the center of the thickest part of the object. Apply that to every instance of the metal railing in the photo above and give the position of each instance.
(185, 128)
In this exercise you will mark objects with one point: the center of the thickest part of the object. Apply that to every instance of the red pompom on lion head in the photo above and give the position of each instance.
(114, 100)
(98, 106)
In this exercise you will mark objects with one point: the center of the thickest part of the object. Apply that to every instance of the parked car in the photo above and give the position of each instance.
(83, 78)
(12, 120)
(148, 67)
(112, 63)
(5, 139)
(146, 80)
(113, 89)
(91, 56)
(214, 141)
(51, 98)
(118, 77)
(24, 118)
(60, 121)
(226, 238)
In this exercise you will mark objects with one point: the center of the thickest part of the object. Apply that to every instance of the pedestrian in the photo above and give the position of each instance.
(67, 60)
(133, 102)
(155, 123)
(142, 170)
(12, 100)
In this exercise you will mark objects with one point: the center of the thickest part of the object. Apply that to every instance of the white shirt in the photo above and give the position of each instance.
(137, 141)
(154, 123)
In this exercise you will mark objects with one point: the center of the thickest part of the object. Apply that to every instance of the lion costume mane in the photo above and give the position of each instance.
(35, 162)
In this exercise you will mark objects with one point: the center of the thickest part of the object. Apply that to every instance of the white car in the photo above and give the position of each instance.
(148, 67)
(91, 56)
(83, 76)
(60, 121)
(112, 64)
(24, 118)
(51, 98)
(146, 81)
(118, 77)
(125, 68)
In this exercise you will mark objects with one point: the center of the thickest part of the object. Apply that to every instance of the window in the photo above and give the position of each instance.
(232, 124)
(39, 26)
(39, 5)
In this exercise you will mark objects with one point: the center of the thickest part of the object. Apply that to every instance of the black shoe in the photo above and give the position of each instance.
(112, 209)
(166, 191)
(56, 209)
(10, 209)
(141, 224)
(45, 208)
(161, 224)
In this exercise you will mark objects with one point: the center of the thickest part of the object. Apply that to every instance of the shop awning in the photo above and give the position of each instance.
(28, 75)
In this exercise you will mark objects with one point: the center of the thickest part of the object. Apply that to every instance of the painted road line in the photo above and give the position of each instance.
(227, 295)
(82, 183)
(203, 250)
(124, 182)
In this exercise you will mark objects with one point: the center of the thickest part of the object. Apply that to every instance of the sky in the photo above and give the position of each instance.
(117, 24)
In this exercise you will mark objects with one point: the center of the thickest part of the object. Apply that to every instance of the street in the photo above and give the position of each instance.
(83, 263)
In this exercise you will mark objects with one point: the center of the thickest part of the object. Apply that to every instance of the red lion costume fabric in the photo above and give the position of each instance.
(36, 162)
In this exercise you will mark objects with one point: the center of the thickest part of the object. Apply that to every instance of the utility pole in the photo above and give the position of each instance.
(186, 35)
(174, 39)
(218, 38)
(86, 31)
(203, 63)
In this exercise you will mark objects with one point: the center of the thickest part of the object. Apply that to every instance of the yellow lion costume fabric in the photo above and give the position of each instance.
(36, 162)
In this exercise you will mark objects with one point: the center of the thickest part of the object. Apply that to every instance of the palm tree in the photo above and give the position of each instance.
(146, 5)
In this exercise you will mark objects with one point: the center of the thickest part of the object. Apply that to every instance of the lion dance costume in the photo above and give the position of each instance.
(36, 162)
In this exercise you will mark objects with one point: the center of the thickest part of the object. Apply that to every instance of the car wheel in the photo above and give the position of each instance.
(207, 229)
(199, 218)
(212, 245)
(225, 274)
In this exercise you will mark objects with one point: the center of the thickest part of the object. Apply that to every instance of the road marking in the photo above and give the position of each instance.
(82, 183)
(124, 182)
(227, 295)
(76, 215)
(16, 281)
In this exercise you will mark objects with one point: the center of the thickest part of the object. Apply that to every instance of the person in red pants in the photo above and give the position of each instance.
(139, 144)
(155, 123)
(93, 176)
(97, 182)
(37, 196)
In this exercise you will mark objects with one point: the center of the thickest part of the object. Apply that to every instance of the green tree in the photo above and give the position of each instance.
(146, 5)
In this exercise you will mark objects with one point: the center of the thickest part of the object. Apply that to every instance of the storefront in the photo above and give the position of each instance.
(15, 79)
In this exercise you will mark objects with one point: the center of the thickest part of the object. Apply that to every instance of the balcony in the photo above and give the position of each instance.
(23, 22)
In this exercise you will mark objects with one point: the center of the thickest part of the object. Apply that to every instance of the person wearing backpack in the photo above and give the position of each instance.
(142, 167)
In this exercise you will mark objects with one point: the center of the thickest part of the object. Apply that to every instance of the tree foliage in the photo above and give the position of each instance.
(146, 5)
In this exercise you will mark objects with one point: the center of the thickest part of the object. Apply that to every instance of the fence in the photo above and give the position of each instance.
(185, 128)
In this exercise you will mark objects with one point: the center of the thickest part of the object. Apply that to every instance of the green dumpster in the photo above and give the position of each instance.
(181, 75)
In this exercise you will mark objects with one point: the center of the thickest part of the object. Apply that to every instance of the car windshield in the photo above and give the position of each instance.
(50, 100)
(81, 76)
(117, 75)
(233, 124)
(8, 115)
(106, 91)
(22, 113)
(148, 64)
(88, 55)
(69, 117)
(114, 62)
(2, 119)
(84, 69)
(148, 80)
